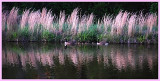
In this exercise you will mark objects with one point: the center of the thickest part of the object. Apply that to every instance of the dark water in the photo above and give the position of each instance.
(54, 61)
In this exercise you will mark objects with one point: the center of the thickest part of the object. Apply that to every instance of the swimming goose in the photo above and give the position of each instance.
(101, 43)
(69, 42)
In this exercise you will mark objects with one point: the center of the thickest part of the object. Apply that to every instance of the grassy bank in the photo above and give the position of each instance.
(39, 25)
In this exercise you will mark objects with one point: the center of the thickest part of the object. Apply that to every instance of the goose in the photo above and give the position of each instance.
(69, 42)
(101, 43)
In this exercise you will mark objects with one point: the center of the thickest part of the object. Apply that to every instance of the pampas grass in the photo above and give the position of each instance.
(61, 20)
(73, 21)
(12, 22)
(141, 21)
(151, 21)
(107, 21)
(131, 25)
(82, 24)
(113, 28)
(90, 20)
(46, 19)
(4, 20)
(24, 19)
(33, 20)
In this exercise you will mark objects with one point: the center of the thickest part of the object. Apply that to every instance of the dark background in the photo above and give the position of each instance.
(98, 8)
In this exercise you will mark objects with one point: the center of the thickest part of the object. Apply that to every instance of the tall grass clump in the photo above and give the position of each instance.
(24, 19)
(4, 20)
(12, 20)
(73, 21)
(61, 20)
(42, 25)
(151, 21)
(131, 25)
(107, 22)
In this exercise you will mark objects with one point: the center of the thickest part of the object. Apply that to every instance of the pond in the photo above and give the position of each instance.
(55, 61)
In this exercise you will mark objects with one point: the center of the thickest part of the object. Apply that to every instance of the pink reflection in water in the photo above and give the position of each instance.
(24, 59)
(32, 59)
(73, 57)
(140, 61)
(150, 61)
(99, 58)
(12, 58)
(121, 60)
(131, 59)
(61, 58)
(47, 59)
(105, 60)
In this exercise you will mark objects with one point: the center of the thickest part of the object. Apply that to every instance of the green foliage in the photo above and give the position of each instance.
(47, 35)
(58, 37)
(107, 37)
(11, 36)
(82, 36)
(100, 36)
(154, 7)
(141, 39)
(89, 35)
(24, 34)
(14, 36)
(17, 49)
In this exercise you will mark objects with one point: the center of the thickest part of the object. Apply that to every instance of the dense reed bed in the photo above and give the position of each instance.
(41, 25)
(55, 58)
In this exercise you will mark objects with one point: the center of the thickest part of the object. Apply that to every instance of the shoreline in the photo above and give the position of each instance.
(77, 43)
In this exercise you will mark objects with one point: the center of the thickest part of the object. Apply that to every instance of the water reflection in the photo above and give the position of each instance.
(81, 61)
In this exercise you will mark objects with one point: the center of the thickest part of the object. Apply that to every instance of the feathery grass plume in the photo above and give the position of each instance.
(99, 24)
(155, 19)
(54, 23)
(12, 22)
(123, 21)
(82, 23)
(24, 18)
(4, 20)
(107, 20)
(141, 21)
(118, 22)
(113, 27)
(90, 20)
(43, 16)
(33, 20)
(131, 25)
(61, 20)
(49, 20)
(151, 21)
(68, 22)
(73, 21)
(46, 19)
